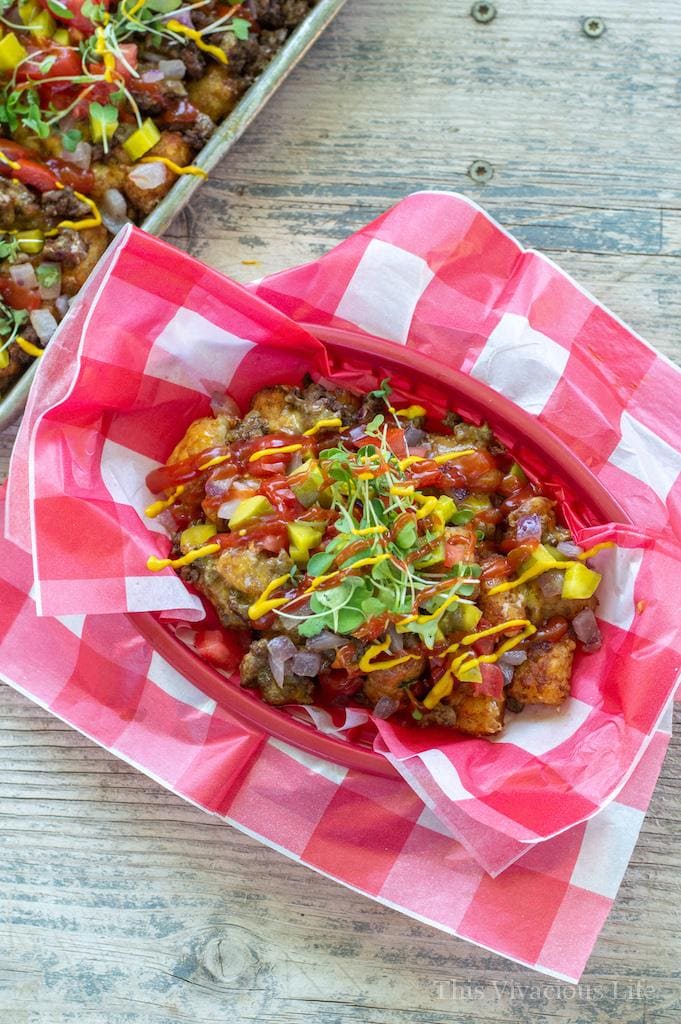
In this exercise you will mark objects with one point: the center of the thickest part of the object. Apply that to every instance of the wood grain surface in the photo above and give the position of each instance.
(121, 904)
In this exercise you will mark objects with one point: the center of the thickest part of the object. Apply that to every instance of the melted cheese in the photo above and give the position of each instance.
(156, 564)
(195, 36)
(274, 451)
(175, 168)
(529, 574)
(324, 425)
(403, 623)
(594, 550)
(28, 347)
(427, 506)
(10, 163)
(367, 663)
(412, 412)
(264, 603)
(448, 456)
(461, 666)
(88, 222)
(151, 511)
(214, 462)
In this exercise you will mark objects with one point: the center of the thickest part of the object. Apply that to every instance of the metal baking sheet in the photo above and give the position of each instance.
(227, 133)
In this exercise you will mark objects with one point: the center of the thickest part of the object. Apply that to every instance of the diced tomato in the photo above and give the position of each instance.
(395, 441)
(18, 297)
(66, 63)
(31, 171)
(492, 684)
(74, 18)
(222, 647)
(459, 545)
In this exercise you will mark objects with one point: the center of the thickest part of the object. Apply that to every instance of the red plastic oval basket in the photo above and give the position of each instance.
(364, 362)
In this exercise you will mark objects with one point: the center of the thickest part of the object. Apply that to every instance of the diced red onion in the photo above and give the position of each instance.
(223, 405)
(513, 658)
(280, 650)
(172, 68)
(217, 486)
(153, 75)
(551, 583)
(396, 641)
(356, 433)
(81, 155)
(385, 707)
(147, 176)
(62, 305)
(250, 4)
(569, 549)
(43, 323)
(295, 462)
(458, 493)
(414, 435)
(586, 629)
(307, 663)
(506, 671)
(51, 291)
(183, 15)
(324, 641)
(228, 508)
(529, 527)
(114, 210)
(23, 274)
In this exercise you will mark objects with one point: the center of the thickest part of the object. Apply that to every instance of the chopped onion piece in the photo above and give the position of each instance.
(414, 435)
(307, 663)
(325, 641)
(153, 75)
(172, 68)
(223, 405)
(385, 707)
(506, 671)
(513, 658)
(529, 527)
(43, 323)
(147, 176)
(81, 155)
(228, 508)
(569, 549)
(62, 305)
(396, 641)
(280, 650)
(551, 583)
(586, 629)
(23, 274)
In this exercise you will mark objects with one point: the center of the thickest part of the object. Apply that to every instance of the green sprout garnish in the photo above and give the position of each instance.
(393, 572)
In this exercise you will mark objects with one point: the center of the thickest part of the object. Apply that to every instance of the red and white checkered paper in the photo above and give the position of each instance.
(157, 332)
(371, 834)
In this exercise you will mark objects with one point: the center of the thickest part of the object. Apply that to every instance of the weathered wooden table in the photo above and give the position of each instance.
(121, 904)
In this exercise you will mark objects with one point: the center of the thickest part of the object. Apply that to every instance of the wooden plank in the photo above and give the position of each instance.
(124, 905)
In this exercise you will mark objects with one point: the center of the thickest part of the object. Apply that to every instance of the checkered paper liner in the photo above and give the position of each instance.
(372, 834)
(157, 332)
